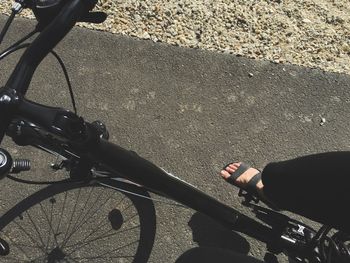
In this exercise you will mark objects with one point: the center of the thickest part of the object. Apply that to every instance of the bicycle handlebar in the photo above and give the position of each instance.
(19, 81)
(44, 43)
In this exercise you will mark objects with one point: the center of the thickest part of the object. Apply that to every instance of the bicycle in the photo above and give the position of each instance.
(94, 162)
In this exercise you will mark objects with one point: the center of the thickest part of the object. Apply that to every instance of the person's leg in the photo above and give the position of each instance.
(315, 186)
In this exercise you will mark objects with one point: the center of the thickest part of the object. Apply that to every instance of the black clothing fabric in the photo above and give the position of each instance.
(315, 186)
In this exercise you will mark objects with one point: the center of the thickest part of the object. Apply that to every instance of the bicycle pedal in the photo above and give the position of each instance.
(248, 197)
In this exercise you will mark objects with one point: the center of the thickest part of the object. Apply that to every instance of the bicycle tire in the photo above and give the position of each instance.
(23, 225)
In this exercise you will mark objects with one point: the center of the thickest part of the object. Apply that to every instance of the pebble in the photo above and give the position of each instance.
(308, 33)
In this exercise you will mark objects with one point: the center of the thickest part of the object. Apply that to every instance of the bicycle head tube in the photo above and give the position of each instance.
(9, 100)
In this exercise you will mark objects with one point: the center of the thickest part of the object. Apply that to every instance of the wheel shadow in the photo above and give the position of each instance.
(23, 228)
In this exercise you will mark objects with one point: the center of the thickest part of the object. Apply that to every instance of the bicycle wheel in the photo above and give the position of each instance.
(80, 222)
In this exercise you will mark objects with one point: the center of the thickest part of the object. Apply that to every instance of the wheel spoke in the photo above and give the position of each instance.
(71, 218)
(81, 214)
(49, 220)
(82, 217)
(88, 217)
(100, 225)
(63, 208)
(29, 235)
(36, 228)
(114, 250)
(101, 237)
(78, 223)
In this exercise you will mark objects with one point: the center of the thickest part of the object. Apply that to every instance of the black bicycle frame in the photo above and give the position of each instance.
(112, 156)
(77, 137)
(143, 172)
(82, 139)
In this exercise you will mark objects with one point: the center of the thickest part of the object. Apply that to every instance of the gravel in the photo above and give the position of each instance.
(302, 32)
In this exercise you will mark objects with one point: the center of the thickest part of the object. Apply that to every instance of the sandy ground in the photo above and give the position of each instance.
(302, 32)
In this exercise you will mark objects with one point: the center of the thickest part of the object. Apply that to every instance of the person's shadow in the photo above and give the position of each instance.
(216, 243)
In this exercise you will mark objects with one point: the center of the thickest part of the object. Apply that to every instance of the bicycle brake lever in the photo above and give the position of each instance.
(7, 26)
(16, 9)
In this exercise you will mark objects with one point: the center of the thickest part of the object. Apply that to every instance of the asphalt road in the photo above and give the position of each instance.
(191, 112)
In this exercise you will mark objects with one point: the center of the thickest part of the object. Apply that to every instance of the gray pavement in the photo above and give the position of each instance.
(191, 112)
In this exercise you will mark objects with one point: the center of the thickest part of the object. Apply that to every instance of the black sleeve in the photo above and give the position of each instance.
(315, 186)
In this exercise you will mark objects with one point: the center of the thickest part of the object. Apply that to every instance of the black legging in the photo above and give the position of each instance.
(315, 186)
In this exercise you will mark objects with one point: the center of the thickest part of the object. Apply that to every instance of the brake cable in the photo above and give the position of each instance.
(19, 42)
(17, 47)
(13, 49)
(71, 93)
(16, 9)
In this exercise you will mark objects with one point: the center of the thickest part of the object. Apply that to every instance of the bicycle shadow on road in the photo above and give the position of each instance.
(216, 243)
